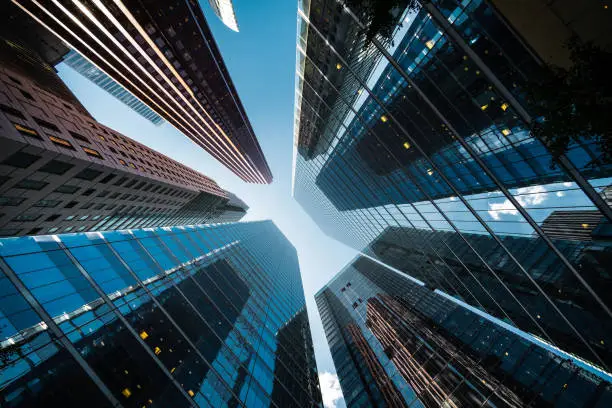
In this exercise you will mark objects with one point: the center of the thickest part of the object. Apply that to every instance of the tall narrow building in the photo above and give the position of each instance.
(88, 70)
(62, 171)
(397, 343)
(168, 317)
(419, 126)
(164, 54)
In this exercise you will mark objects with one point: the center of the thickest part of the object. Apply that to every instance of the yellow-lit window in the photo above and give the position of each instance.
(430, 44)
(506, 132)
(91, 152)
(132, 165)
(406, 145)
(384, 118)
(122, 162)
(338, 66)
(101, 137)
(484, 107)
(126, 392)
(61, 142)
(191, 393)
(144, 335)
(27, 130)
(504, 106)
(430, 172)
(585, 225)
(157, 350)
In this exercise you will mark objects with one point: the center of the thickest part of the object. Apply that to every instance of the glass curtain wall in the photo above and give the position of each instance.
(418, 131)
(181, 316)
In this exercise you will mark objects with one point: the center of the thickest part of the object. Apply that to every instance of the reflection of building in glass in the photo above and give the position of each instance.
(77, 62)
(167, 59)
(181, 316)
(61, 171)
(431, 147)
(430, 351)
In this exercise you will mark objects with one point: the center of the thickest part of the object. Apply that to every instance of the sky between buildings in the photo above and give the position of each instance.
(261, 62)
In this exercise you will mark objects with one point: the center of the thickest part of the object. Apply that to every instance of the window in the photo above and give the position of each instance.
(67, 189)
(26, 131)
(11, 201)
(130, 184)
(71, 204)
(107, 178)
(122, 162)
(27, 95)
(83, 218)
(21, 160)
(99, 207)
(53, 217)
(15, 80)
(104, 193)
(56, 167)
(61, 142)
(12, 111)
(52, 230)
(34, 231)
(82, 228)
(88, 174)
(87, 205)
(110, 207)
(46, 125)
(89, 192)
(97, 217)
(9, 232)
(125, 197)
(115, 195)
(69, 218)
(68, 229)
(121, 181)
(92, 152)
(27, 217)
(47, 203)
(80, 137)
(28, 184)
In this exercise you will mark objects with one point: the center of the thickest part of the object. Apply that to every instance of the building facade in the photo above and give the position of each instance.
(397, 343)
(78, 63)
(170, 61)
(425, 135)
(202, 316)
(62, 171)
(224, 9)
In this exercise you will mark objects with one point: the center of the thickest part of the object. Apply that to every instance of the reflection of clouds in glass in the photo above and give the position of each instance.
(560, 193)
(330, 388)
(526, 196)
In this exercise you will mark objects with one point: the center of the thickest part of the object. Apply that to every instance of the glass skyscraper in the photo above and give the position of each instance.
(397, 343)
(77, 62)
(414, 143)
(203, 316)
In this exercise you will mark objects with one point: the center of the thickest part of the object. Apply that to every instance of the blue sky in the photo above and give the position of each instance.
(261, 61)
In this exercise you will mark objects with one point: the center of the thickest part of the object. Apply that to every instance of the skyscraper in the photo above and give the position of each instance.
(397, 343)
(224, 9)
(168, 317)
(62, 171)
(425, 135)
(77, 62)
(169, 60)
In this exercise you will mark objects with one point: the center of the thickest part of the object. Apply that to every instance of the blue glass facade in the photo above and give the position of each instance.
(182, 316)
(421, 139)
(77, 62)
(397, 343)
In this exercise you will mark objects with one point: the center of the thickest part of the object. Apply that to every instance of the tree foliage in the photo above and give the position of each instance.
(575, 104)
(380, 15)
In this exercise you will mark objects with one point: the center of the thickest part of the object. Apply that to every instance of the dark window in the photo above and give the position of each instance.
(130, 184)
(27, 95)
(71, 204)
(88, 174)
(46, 125)
(89, 192)
(110, 207)
(99, 207)
(56, 167)
(67, 106)
(27, 217)
(53, 217)
(104, 193)
(107, 178)
(115, 195)
(139, 186)
(11, 201)
(15, 80)
(121, 181)
(47, 203)
(66, 189)
(125, 197)
(12, 111)
(21, 159)
(79, 137)
(34, 231)
(87, 205)
(9, 232)
(29, 184)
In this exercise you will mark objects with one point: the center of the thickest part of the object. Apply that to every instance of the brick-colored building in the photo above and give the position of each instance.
(62, 171)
